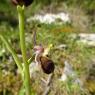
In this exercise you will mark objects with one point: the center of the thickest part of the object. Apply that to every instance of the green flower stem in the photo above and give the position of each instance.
(11, 50)
(23, 49)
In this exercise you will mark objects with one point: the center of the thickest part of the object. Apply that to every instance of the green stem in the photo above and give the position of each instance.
(23, 49)
(31, 59)
(11, 50)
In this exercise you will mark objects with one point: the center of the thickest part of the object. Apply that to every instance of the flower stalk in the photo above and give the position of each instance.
(23, 49)
(24, 69)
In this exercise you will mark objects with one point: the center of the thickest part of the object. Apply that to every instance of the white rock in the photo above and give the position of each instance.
(67, 72)
(49, 18)
(33, 67)
(63, 77)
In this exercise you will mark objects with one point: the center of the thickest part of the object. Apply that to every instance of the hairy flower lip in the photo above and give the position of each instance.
(22, 2)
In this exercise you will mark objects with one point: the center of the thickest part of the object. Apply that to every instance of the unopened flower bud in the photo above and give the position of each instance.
(22, 2)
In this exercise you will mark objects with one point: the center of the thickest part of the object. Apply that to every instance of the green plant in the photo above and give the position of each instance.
(24, 69)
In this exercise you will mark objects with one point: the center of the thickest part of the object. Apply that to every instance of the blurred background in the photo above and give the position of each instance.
(69, 25)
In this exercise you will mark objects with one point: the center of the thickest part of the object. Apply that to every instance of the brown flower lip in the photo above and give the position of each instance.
(47, 65)
(22, 2)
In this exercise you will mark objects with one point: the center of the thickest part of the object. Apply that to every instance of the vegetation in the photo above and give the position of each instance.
(79, 55)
